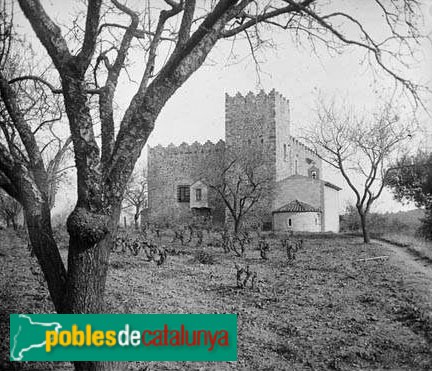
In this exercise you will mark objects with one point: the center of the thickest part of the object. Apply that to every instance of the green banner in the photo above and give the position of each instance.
(123, 337)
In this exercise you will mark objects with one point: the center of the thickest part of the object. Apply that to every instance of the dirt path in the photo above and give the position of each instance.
(409, 260)
(418, 272)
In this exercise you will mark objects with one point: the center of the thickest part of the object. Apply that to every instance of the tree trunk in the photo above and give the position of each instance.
(38, 220)
(236, 225)
(88, 266)
(14, 224)
(136, 217)
(365, 230)
(90, 243)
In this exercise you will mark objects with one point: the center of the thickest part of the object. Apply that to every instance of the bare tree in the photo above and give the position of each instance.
(175, 40)
(360, 149)
(136, 194)
(27, 113)
(242, 179)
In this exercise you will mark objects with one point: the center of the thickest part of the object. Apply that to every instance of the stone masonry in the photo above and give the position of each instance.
(175, 166)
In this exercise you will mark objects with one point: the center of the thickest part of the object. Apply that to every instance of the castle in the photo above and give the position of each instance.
(299, 199)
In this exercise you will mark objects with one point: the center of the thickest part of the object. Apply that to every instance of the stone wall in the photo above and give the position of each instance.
(250, 123)
(169, 167)
(283, 126)
(305, 222)
(302, 158)
(298, 188)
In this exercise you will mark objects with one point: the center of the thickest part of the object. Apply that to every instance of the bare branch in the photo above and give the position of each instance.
(53, 89)
(47, 32)
(90, 35)
(186, 23)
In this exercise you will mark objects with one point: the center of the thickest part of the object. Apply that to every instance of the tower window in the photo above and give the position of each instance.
(285, 151)
(290, 222)
(314, 174)
(198, 194)
(296, 166)
(183, 193)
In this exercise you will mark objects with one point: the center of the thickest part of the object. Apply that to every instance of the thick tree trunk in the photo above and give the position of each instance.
(92, 224)
(88, 266)
(90, 243)
(364, 226)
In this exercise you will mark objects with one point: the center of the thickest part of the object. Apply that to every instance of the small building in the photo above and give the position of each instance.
(297, 216)
(199, 199)
(306, 203)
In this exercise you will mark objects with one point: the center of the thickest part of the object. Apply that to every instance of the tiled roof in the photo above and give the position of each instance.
(298, 176)
(297, 206)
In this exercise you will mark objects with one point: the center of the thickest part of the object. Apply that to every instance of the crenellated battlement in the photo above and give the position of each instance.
(300, 144)
(251, 99)
(187, 149)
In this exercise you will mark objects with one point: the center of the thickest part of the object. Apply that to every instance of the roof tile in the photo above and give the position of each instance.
(297, 206)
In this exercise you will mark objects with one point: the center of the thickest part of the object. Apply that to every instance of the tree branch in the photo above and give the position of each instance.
(53, 89)
(47, 32)
(91, 32)
(9, 99)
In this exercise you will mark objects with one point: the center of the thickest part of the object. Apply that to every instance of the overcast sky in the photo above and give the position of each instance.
(196, 111)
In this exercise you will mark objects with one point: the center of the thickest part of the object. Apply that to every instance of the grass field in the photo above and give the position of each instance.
(323, 311)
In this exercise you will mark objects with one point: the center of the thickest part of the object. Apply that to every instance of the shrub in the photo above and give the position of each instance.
(204, 257)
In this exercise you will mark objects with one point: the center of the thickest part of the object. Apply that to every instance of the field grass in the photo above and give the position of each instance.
(418, 246)
(323, 311)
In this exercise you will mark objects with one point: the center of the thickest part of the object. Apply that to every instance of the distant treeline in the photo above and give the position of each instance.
(404, 222)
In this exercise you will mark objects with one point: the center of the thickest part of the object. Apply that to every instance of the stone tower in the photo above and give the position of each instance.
(261, 121)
